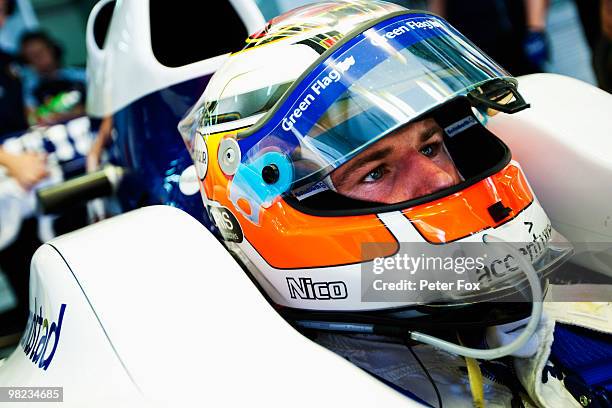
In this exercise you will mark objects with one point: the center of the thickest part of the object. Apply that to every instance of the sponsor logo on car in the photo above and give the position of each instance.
(42, 336)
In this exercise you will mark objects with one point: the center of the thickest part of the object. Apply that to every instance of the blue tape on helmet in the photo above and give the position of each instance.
(248, 183)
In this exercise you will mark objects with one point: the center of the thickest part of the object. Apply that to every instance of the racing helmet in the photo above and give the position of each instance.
(318, 87)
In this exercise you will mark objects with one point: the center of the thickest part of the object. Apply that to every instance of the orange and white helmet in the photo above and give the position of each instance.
(314, 89)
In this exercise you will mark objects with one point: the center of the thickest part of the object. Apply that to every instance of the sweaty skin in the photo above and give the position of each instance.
(411, 162)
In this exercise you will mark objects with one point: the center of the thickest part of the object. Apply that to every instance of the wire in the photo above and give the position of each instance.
(426, 371)
(476, 382)
(502, 351)
(475, 379)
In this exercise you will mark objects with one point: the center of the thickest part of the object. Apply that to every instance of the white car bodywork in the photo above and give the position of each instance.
(128, 45)
(158, 313)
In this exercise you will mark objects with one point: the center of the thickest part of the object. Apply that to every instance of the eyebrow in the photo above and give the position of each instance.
(430, 132)
(379, 154)
(372, 156)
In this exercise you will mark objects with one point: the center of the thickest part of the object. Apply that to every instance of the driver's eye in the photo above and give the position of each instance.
(374, 175)
(430, 150)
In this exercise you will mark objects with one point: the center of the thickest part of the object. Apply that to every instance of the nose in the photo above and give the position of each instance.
(426, 177)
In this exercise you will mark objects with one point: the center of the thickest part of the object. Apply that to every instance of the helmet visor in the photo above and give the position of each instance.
(370, 86)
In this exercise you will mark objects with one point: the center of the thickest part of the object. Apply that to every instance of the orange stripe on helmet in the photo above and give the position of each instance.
(467, 212)
(310, 241)
(317, 241)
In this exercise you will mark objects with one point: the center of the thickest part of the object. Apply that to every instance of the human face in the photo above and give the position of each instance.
(38, 54)
(409, 163)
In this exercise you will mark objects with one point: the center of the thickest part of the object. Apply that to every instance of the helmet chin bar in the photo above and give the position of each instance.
(346, 326)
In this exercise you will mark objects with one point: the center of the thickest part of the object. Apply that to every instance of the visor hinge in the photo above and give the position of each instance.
(495, 94)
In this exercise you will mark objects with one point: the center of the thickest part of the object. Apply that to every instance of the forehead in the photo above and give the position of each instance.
(35, 45)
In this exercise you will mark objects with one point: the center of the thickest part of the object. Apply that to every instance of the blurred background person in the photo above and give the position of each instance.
(596, 21)
(589, 13)
(23, 19)
(12, 118)
(27, 169)
(536, 46)
(52, 93)
(512, 32)
(103, 139)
